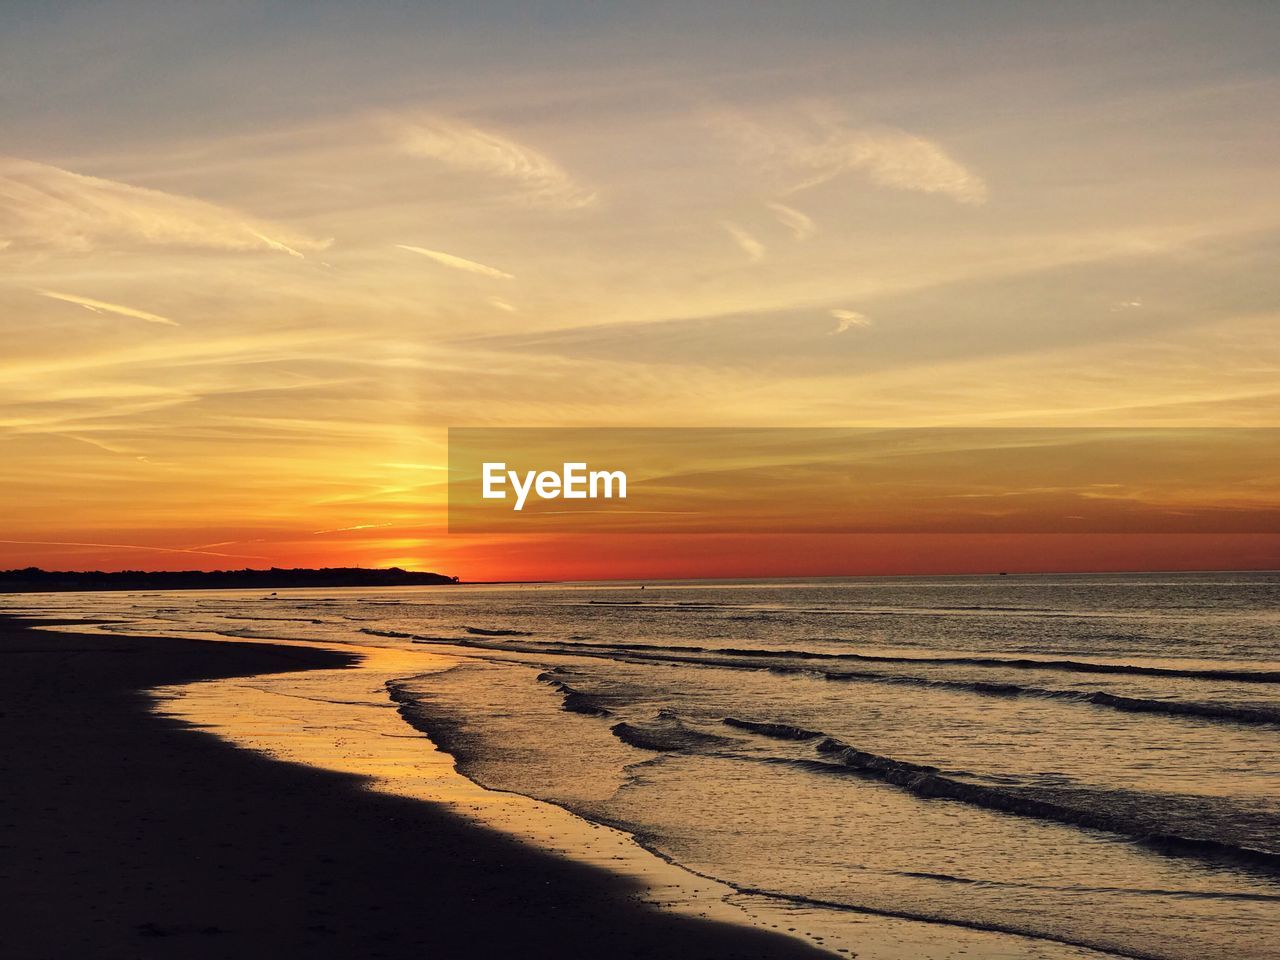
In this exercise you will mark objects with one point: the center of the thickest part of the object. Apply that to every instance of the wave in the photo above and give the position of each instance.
(710, 605)
(668, 734)
(250, 616)
(1089, 666)
(734, 658)
(575, 701)
(1100, 698)
(446, 732)
(933, 610)
(482, 632)
(930, 783)
(665, 733)
(1021, 663)
(779, 731)
(1006, 663)
(1186, 708)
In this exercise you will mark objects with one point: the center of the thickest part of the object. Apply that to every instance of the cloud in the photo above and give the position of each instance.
(358, 526)
(848, 319)
(538, 179)
(278, 245)
(752, 247)
(458, 263)
(225, 543)
(131, 546)
(897, 159)
(101, 306)
(47, 208)
(815, 147)
(800, 224)
(503, 305)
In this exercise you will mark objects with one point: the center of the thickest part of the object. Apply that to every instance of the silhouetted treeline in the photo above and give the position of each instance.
(35, 580)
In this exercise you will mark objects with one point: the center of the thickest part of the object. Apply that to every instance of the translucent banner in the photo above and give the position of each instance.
(926, 480)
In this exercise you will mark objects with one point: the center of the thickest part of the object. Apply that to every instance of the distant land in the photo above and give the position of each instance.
(35, 580)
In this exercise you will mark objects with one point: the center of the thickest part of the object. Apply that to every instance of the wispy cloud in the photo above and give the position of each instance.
(358, 526)
(894, 158)
(131, 546)
(277, 245)
(500, 304)
(813, 146)
(749, 245)
(104, 447)
(47, 208)
(799, 223)
(101, 306)
(538, 179)
(848, 320)
(458, 263)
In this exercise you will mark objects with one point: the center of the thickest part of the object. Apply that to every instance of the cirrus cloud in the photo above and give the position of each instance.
(102, 306)
(746, 242)
(536, 178)
(798, 222)
(46, 208)
(458, 263)
(814, 146)
(849, 319)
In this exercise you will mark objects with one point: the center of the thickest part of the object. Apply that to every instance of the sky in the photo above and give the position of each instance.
(255, 259)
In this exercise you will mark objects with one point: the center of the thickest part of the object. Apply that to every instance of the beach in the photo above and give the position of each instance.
(670, 481)
(125, 834)
(1066, 767)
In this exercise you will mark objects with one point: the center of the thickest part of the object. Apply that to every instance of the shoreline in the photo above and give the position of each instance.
(352, 721)
(131, 834)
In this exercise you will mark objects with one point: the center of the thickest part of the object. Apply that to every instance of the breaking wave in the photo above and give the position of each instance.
(811, 663)
(929, 782)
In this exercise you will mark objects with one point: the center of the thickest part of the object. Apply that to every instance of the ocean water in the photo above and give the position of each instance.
(1092, 760)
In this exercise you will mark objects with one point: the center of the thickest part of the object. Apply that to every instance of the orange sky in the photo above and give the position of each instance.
(253, 266)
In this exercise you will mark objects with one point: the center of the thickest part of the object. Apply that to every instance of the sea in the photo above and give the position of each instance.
(1088, 760)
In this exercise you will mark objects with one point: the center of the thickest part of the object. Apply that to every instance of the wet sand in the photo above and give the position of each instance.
(128, 834)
